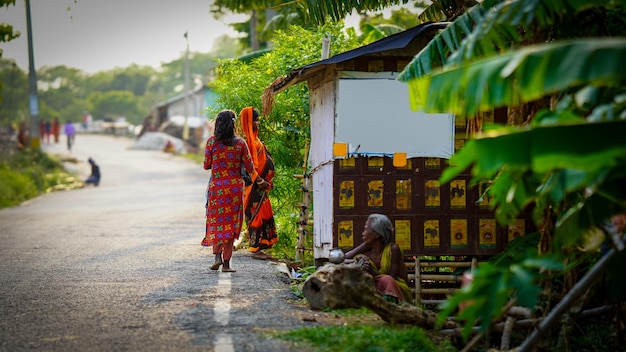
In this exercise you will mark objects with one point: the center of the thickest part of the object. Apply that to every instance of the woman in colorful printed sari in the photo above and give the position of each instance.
(382, 259)
(257, 206)
(224, 155)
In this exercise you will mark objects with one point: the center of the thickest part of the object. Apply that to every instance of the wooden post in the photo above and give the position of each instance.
(418, 282)
(303, 220)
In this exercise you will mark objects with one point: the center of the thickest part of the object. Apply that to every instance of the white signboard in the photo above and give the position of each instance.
(374, 118)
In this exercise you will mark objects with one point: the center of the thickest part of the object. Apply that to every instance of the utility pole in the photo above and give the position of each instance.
(33, 104)
(254, 40)
(186, 92)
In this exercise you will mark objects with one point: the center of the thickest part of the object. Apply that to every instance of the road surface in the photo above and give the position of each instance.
(119, 267)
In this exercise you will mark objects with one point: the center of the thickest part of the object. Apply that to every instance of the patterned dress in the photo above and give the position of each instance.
(224, 212)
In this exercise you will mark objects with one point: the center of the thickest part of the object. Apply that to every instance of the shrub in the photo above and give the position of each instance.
(15, 187)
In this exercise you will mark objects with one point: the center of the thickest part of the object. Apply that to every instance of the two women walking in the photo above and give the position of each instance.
(227, 155)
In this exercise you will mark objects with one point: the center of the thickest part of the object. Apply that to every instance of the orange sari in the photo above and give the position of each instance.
(257, 206)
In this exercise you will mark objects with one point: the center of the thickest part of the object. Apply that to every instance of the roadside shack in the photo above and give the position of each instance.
(370, 153)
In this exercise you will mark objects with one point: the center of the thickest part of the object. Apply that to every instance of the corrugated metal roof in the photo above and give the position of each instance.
(392, 42)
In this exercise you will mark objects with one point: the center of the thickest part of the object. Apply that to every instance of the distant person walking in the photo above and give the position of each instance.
(22, 136)
(48, 130)
(86, 120)
(224, 155)
(42, 131)
(94, 177)
(258, 210)
(56, 129)
(70, 132)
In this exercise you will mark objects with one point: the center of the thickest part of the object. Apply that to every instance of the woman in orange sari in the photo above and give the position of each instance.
(257, 207)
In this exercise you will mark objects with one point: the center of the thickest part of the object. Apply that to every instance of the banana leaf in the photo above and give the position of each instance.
(587, 147)
(319, 10)
(488, 28)
(520, 76)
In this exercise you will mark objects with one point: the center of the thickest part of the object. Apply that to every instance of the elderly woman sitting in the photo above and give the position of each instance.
(382, 259)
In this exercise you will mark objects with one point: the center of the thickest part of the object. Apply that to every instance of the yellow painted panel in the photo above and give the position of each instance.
(346, 194)
(403, 194)
(432, 198)
(375, 162)
(487, 233)
(345, 229)
(458, 194)
(403, 234)
(431, 234)
(432, 163)
(348, 163)
(375, 193)
(458, 233)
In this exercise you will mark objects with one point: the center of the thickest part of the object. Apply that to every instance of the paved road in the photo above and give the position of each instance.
(119, 267)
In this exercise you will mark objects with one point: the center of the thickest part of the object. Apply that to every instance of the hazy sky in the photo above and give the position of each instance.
(95, 35)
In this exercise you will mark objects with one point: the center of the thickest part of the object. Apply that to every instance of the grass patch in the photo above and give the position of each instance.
(15, 187)
(364, 338)
(353, 330)
(29, 173)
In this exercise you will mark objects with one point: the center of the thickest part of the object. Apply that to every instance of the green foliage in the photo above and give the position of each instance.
(373, 33)
(544, 164)
(15, 187)
(518, 76)
(6, 30)
(375, 27)
(27, 174)
(241, 84)
(13, 93)
(364, 338)
(489, 30)
(444, 10)
(323, 11)
(517, 250)
(268, 15)
(568, 163)
(493, 286)
(113, 104)
(171, 78)
(286, 131)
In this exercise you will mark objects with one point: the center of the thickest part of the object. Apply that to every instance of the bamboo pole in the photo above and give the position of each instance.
(505, 342)
(570, 298)
(303, 219)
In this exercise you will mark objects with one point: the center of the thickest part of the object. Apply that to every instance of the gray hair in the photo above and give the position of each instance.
(382, 225)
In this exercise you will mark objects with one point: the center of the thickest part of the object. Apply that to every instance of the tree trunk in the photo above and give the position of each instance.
(339, 286)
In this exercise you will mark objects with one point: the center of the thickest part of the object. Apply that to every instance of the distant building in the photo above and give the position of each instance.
(169, 116)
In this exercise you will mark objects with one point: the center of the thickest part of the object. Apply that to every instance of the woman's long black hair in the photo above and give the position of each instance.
(225, 125)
